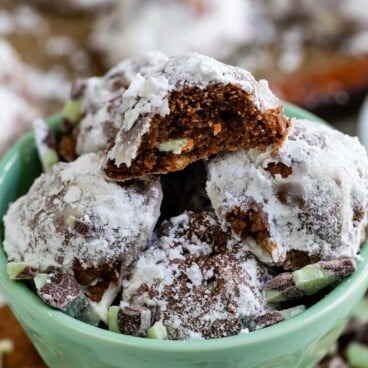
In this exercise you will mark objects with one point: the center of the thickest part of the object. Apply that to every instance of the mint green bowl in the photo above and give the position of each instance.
(67, 343)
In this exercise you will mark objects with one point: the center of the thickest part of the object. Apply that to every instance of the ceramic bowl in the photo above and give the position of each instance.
(64, 342)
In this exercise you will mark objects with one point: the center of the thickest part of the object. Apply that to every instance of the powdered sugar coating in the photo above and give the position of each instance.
(72, 213)
(318, 208)
(196, 287)
(103, 96)
(149, 96)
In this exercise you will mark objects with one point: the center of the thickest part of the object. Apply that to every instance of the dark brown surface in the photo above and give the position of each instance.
(215, 119)
(185, 191)
(87, 276)
(296, 259)
(24, 354)
(252, 222)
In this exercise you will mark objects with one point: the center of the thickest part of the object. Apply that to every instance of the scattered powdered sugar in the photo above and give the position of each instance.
(319, 208)
(196, 291)
(73, 194)
(149, 95)
(71, 213)
(103, 97)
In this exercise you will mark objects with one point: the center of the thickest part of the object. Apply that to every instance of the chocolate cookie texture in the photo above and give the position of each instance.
(192, 284)
(73, 220)
(192, 108)
(306, 203)
(102, 99)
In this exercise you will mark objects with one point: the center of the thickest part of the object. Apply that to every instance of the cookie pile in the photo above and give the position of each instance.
(187, 205)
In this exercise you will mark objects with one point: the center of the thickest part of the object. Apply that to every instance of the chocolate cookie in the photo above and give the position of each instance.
(192, 284)
(192, 108)
(73, 222)
(307, 202)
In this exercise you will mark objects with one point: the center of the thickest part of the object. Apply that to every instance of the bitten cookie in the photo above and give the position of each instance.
(102, 98)
(192, 108)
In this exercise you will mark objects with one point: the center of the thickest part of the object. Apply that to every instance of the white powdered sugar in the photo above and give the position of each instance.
(212, 27)
(320, 208)
(148, 96)
(191, 286)
(103, 96)
(72, 213)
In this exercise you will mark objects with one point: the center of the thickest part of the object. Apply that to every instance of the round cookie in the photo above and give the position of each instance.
(190, 282)
(306, 203)
(102, 98)
(75, 222)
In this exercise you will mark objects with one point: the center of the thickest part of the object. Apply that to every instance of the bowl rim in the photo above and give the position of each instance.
(327, 304)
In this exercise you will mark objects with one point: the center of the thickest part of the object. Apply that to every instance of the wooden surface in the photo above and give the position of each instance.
(24, 354)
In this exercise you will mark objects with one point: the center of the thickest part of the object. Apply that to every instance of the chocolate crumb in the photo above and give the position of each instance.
(82, 227)
(134, 320)
(60, 291)
(78, 88)
(278, 168)
(50, 139)
(27, 273)
(266, 320)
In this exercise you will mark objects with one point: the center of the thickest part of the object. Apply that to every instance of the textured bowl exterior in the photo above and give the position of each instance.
(67, 343)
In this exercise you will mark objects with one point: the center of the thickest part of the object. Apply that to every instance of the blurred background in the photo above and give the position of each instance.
(313, 52)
